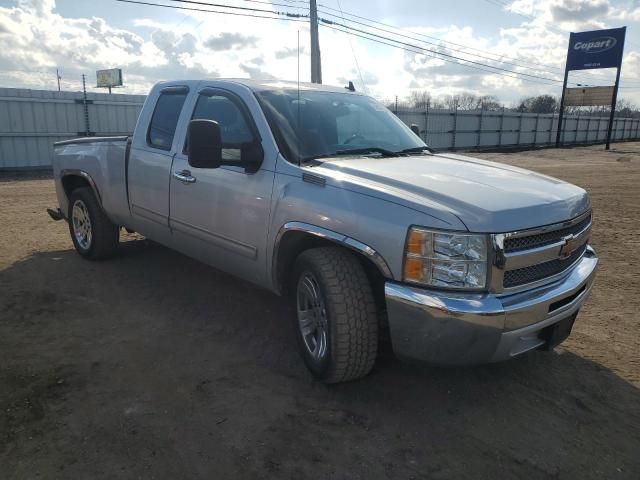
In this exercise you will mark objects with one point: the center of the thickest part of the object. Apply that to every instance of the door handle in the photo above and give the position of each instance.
(184, 176)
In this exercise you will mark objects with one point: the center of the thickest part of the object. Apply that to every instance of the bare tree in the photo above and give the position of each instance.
(490, 102)
(539, 104)
(626, 108)
(419, 98)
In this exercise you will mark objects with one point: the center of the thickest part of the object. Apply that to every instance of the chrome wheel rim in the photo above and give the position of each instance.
(81, 224)
(312, 316)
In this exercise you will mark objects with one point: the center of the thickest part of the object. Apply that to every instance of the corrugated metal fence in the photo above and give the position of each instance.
(31, 120)
(469, 129)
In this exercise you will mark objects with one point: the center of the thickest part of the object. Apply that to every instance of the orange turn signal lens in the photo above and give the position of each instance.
(415, 242)
(413, 269)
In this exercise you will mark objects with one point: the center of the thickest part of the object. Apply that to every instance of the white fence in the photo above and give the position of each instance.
(31, 120)
(471, 129)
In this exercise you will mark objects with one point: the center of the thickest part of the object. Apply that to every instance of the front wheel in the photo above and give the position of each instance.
(336, 318)
(93, 234)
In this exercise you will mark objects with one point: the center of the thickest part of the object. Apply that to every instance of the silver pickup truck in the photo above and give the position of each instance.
(323, 194)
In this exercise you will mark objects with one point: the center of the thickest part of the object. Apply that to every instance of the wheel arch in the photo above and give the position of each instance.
(295, 237)
(73, 179)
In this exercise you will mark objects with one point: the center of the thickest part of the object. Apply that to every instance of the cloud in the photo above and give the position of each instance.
(173, 44)
(150, 23)
(362, 80)
(41, 40)
(576, 11)
(626, 15)
(40, 7)
(230, 40)
(290, 52)
(255, 73)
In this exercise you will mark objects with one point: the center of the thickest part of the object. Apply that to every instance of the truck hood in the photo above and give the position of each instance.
(485, 196)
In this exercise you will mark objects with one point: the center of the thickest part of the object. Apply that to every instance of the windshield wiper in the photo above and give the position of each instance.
(416, 150)
(353, 151)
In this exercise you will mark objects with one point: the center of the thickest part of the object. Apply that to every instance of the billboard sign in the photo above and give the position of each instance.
(109, 78)
(596, 49)
(584, 96)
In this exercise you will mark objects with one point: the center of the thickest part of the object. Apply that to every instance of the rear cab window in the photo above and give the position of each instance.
(164, 120)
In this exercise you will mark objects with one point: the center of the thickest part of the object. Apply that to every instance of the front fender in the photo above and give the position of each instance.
(335, 237)
(363, 222)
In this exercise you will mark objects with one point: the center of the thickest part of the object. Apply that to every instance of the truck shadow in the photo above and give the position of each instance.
(152, 332)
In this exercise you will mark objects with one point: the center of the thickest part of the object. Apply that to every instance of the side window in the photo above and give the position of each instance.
(164, 119)
(234, 130)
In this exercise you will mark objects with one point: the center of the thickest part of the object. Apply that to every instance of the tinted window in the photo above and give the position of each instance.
(165, 118)
(234, 130)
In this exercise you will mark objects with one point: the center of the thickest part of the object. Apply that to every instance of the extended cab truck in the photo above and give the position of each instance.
(324, 193)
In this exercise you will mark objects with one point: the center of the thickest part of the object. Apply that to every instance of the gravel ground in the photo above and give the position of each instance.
(152, 365)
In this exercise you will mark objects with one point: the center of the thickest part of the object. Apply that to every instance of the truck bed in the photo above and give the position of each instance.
(105, 160)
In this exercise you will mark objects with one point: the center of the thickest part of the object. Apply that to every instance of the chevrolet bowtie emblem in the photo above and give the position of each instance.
(569, 246)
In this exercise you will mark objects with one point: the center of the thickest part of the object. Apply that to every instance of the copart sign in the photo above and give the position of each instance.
(596, 49)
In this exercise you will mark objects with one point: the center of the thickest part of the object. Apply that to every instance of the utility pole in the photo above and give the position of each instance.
(614, 100)
(564, 90)
(59, 78)
(316, 64)
(86, 106)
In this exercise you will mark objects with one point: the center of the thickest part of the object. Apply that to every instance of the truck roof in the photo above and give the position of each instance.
(262, 85)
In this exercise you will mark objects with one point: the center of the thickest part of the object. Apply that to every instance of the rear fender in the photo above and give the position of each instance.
(72, 179)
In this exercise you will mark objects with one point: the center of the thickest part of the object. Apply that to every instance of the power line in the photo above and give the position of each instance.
(420, 50)
(377, 28)
(349, 30)
(289, 3)
(288, 16)
(515, 64)
(441, 54)
(443, 43)
(249, 9)
(435, 54)
(447, 57)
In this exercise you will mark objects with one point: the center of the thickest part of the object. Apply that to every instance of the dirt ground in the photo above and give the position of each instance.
(152, 365)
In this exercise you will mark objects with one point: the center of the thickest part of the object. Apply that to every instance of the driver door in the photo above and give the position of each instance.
(221, 215)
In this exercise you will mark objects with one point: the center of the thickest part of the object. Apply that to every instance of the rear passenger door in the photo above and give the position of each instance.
(150, 162)
(221, 215)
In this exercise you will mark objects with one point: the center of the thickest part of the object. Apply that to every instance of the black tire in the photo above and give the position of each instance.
(350, 311)
(104, 234)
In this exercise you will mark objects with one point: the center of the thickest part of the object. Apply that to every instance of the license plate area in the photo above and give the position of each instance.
(555, 334)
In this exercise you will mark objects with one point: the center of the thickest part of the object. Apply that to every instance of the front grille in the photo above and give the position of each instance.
(517, 244)
(522, 276)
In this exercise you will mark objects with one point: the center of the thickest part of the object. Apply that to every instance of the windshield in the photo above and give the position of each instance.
(314, 124)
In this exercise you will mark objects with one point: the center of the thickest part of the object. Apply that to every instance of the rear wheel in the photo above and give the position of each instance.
(94, 236)
(336, 318)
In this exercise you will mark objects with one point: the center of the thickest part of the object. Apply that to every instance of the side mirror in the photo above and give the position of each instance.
(251, 156)
(415, 129)
(204, 144)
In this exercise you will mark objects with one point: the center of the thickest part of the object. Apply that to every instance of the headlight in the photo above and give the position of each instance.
(443, 259)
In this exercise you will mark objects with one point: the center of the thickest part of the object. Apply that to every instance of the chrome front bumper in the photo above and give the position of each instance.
(460, 328)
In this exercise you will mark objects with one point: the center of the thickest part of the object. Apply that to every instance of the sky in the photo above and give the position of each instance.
(152, 43)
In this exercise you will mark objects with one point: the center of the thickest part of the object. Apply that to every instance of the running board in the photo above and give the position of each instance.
(55, 214)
